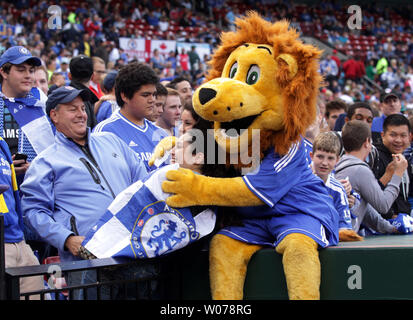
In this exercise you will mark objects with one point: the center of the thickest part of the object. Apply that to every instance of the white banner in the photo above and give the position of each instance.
(163, 46)
(142, 48)
(134, 48)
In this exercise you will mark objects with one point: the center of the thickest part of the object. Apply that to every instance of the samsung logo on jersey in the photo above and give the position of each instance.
(10, 133)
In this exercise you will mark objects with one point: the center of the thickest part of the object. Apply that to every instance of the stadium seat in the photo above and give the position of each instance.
(51, 260)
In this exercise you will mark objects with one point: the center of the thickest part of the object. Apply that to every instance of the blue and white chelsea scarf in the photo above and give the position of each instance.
(139, 224)
(35, 133)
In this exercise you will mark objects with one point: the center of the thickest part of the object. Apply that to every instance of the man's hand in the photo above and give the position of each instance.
(396, 167)
(400, 164)
(73, 244)
(351, 200)
(20, 166)
(347, 186)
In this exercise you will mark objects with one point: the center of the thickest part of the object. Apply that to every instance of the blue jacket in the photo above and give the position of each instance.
(9, 199)
(63, 182)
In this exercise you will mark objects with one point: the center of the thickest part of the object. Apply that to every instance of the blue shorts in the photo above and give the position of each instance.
(270, 231)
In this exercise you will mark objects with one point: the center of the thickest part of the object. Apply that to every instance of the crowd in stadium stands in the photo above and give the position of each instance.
(382, 50)
(368, 76)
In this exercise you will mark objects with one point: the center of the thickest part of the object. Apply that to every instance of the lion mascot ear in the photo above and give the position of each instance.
(287, 68)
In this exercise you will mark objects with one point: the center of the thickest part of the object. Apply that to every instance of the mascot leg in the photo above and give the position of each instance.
(301, 266)
(228, 261)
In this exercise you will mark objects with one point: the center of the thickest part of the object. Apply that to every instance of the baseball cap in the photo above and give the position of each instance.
(109, 80)
(64, 94)
(18, 55)
(81, 67)
(388, 93)
(64, 60)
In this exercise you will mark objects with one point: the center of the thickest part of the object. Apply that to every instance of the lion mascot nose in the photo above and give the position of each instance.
(206, 94)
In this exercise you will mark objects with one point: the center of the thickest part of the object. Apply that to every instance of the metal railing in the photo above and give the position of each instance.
(163, 284)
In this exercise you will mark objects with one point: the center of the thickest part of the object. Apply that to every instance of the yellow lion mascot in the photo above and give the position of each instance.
(262, 86)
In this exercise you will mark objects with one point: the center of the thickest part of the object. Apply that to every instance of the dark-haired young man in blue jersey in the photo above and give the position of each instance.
(135, 89)
(23, 121)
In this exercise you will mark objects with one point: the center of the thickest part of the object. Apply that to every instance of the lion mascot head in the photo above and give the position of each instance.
(261, 77)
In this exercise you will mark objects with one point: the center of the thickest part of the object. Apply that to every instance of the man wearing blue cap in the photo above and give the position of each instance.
(70, 185)
(389, 104)
(22, 116)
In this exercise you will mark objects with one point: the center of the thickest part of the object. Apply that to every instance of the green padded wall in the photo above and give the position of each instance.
(380, 267)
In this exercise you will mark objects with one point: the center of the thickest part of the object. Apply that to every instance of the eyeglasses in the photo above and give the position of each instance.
(101, 72)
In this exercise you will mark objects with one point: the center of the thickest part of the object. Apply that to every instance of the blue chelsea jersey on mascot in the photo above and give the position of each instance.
(295, 200)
